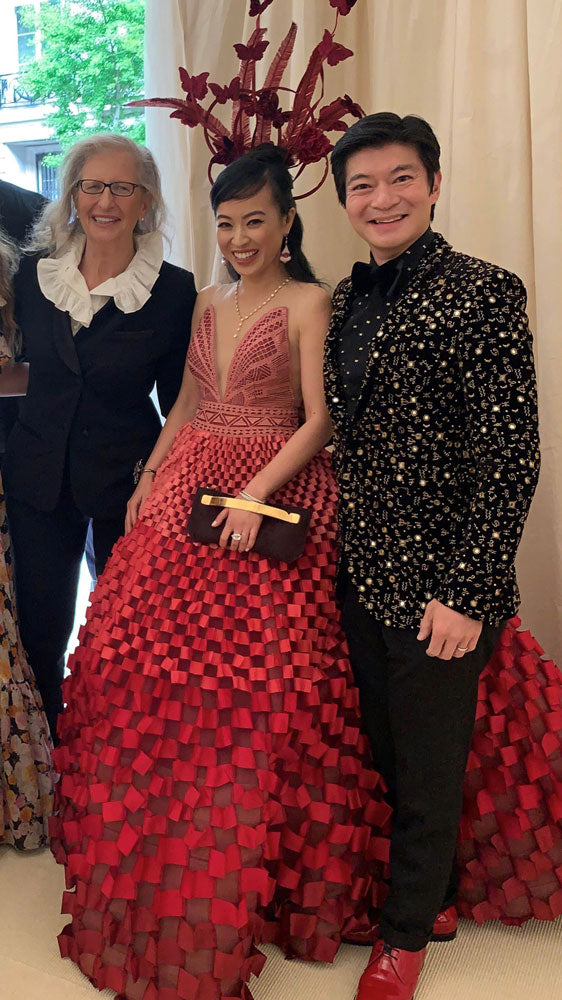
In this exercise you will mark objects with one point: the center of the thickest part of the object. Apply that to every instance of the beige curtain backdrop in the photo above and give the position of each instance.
(487, 74)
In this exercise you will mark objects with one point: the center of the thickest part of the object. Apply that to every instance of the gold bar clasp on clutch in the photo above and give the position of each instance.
(236, 503)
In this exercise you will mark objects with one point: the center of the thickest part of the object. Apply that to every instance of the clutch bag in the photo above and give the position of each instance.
(282, 533)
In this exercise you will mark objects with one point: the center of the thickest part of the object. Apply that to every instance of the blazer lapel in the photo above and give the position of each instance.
(64, 341)
(341, 307)
(401, 317)
(106, 319)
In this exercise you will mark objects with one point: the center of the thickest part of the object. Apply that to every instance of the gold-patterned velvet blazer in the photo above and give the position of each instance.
(439, 464)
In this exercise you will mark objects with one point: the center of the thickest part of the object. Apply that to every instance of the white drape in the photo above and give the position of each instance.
(487, 74)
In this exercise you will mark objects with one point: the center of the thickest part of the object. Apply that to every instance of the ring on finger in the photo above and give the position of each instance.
(236, 537)
(462, 649)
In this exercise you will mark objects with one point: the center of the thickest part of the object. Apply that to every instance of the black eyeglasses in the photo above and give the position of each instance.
(120, 189)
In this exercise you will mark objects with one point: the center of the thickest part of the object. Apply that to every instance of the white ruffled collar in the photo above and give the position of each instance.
(62, 283)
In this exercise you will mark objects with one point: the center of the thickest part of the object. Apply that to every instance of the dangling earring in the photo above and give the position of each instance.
(285, 255)
(223, 260)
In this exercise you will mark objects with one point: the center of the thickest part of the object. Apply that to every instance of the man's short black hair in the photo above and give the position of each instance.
(380, 130)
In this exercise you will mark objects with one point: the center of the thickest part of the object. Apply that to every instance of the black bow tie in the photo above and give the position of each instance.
(366, 277)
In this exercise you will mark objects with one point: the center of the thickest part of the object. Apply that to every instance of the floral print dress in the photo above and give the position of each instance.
(26, 774)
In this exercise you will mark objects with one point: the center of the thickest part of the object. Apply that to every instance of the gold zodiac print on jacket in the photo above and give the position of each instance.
(438, 465)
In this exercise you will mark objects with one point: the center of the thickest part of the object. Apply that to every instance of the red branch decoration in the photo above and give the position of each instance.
(301, 129)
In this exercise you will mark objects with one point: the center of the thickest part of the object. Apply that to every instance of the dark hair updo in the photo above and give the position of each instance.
(265, 164)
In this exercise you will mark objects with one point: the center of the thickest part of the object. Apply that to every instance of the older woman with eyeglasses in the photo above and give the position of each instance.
(103, 319)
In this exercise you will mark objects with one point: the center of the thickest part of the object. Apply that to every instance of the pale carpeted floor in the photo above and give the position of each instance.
(488, 963)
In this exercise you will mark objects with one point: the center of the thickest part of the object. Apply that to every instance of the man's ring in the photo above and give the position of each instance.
(461, 649)
(235, 536)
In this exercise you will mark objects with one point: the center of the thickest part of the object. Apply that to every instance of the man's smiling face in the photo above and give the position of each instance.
(388, 197)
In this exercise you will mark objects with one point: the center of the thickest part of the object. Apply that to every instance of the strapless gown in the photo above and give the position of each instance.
(217, 790)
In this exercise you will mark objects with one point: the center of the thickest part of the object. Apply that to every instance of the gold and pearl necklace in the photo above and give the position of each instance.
(261, 305)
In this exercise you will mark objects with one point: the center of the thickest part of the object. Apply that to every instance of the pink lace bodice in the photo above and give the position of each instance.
(258, 396)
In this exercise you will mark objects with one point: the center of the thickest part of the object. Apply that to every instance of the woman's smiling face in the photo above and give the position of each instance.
(107, 216)
(250, 231)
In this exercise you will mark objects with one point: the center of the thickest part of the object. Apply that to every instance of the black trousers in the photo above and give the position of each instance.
(48, 548)
(418, 712)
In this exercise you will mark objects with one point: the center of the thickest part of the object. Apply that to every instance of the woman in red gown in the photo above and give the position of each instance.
(216, 787)
(216, 790)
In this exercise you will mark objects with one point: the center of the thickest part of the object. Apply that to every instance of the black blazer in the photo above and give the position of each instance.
(88, 402)
(439, 464)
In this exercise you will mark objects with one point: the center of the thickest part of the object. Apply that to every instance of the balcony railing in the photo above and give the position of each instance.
(13, 93)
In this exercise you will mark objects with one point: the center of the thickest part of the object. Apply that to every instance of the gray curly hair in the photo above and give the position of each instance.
(58, 222)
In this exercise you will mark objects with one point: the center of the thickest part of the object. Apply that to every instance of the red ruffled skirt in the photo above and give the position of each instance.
(510, 840)
(217, 790)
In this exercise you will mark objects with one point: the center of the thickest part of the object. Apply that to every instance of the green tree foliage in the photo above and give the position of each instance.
(91, 65)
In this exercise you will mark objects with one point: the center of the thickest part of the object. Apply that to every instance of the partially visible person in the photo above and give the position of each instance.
(103, 318)
(26, 776)
(18, 210)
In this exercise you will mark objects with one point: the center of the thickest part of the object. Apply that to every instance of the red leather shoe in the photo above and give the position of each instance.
(392, 974)
(445, 926)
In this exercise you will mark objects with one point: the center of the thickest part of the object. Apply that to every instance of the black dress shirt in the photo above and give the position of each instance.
(377, 289)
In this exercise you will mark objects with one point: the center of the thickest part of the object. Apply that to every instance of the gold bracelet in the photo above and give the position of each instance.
(151, 471)
(248, 496)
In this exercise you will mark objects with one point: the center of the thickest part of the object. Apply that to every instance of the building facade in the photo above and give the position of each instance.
(25, 138)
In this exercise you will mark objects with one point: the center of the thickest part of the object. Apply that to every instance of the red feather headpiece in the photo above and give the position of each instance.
(302, 130)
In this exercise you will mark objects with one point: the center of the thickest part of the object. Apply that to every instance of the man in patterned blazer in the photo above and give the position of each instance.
(431, 386)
